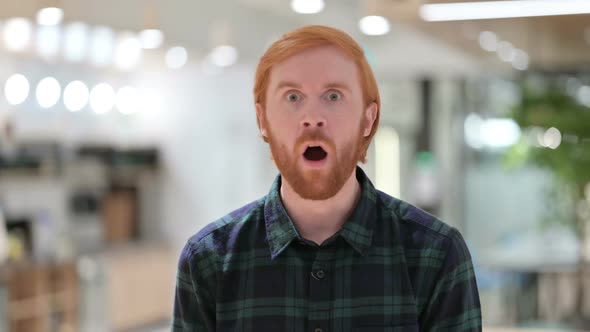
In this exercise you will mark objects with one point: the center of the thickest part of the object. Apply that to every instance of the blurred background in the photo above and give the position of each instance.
(127, 126)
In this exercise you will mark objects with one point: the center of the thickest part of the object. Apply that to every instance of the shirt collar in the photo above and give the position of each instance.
(357, 231)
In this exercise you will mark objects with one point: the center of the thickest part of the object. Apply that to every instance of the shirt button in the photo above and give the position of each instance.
(320, 274)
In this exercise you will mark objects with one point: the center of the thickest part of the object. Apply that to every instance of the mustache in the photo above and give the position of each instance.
(314, 135)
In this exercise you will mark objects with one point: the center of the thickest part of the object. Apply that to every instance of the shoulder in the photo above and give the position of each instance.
(423, 231)
(214, 237)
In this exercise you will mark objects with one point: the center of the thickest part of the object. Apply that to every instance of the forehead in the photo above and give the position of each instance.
(318, 65)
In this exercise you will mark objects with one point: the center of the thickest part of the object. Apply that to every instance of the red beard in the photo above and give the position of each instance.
(316, 184)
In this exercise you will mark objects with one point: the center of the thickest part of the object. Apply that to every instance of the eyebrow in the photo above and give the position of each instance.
(287, 84)
(332, 85)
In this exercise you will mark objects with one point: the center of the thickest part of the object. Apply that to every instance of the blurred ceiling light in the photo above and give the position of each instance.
(307, 6)
(50, 16)
(102, 98)
(176, 57)
(17, 33)
(224, 56)
(584, 95)
(128, 51)
(48, 41)
(48, 92)
(492, 133)
(534, 136)
(502, 9)
(521, 60)
(552, 138)
(500, 133)
(16, 89)
(75, 41)
(488, 41)
(473, 124)
(127, 100)
(75, 96)
(101, 46)
(505, 51)
(151, 38)
(374, 25)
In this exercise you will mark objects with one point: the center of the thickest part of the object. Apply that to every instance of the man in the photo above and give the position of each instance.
(324, 250)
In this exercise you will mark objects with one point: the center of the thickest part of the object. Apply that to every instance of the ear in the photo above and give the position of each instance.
(370, 115)
(260, 120)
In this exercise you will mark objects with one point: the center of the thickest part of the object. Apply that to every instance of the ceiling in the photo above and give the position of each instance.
(251, 25)
(553, 43)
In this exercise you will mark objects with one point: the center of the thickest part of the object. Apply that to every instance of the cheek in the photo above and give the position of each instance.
(347, 121)
(278, 114)
(282, 124)
(281, 131)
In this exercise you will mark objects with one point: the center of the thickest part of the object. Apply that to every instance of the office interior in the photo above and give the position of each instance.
(127, 126)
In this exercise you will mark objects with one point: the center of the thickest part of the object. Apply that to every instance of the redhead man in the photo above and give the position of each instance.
(323, 250)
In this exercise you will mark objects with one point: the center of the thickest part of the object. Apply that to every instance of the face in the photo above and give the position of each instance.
(315, 120)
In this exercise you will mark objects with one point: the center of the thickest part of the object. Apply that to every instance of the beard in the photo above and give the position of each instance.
(316, 184)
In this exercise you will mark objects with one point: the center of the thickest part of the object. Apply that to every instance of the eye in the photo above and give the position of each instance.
(293, 97)
(334, 96)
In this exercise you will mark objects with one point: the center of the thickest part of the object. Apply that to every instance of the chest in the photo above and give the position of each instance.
(334, 289)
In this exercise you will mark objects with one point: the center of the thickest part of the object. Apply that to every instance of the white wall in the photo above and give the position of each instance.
(215, 161)
(500, 202)
(205, 125)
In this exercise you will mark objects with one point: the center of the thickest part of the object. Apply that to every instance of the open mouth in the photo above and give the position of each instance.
(315, 153)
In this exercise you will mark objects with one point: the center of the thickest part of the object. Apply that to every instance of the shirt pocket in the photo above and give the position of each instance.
(401, 328)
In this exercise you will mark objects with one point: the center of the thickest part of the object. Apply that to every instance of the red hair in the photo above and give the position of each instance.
(311, 36)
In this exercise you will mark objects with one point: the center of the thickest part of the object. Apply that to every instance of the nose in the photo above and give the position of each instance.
(307, 124)
(313, 117)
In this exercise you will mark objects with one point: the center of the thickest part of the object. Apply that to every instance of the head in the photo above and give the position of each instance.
(317, 105)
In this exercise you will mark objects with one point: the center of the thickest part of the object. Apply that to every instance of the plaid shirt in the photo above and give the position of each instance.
(392, 267)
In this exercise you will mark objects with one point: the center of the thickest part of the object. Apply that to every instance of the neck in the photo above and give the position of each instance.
(318, 220)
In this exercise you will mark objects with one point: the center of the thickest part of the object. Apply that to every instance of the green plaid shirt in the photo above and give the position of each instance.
(392, 267)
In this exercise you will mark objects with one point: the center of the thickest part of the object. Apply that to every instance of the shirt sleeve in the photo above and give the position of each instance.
(194, 309)
(454, 302)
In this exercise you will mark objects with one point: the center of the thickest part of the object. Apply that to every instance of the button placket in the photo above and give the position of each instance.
(320, 290)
